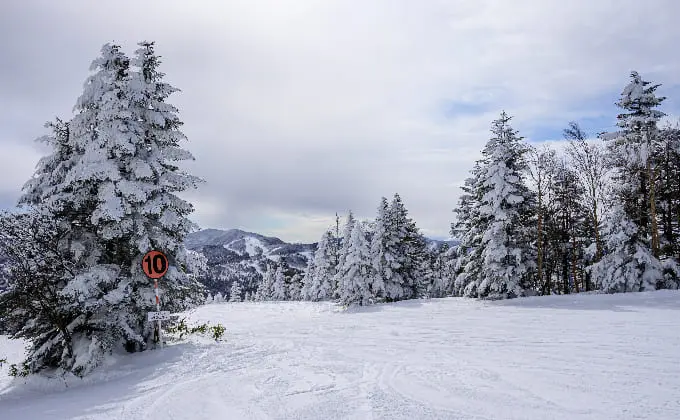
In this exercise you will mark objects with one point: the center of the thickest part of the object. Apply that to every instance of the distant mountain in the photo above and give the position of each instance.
(434, 244)
(238, 255)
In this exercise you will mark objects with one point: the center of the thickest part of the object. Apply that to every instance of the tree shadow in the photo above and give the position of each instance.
(44, 398)
(384, 306)
(619, 302)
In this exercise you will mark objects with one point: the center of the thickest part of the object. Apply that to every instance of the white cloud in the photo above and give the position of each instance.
(309, 107)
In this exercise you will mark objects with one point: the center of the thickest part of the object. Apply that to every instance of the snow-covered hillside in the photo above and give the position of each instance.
(559, 357)
(237, 255)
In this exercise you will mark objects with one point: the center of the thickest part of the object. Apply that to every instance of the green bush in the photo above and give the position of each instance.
(217, 331)
(181, 329)
(14, 370)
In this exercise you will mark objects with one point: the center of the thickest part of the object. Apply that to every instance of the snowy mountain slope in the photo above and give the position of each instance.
(235, 254)
(560, 357)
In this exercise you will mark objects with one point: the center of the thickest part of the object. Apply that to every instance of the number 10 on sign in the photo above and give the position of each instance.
(155, 265)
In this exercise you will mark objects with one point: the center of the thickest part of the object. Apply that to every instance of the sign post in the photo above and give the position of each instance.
(155, 265)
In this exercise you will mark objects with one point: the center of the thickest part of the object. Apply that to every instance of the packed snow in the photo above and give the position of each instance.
(558, 357)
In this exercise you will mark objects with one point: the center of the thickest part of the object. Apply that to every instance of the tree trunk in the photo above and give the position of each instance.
(539, 240)
(652, 208)
(596, 230)
(573, 263)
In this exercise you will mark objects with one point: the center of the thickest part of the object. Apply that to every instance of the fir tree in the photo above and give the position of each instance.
(415, 266)
(235, 292)
(378, 250)
(628, 264)
(111, 179)
(634, 155)
(440, 283)
(321, 287)
(308, 280)
(468, 228)
(346, 234)
(279, 285)
(356, 272)
(265, 290)
(503, 217)
(294, 291)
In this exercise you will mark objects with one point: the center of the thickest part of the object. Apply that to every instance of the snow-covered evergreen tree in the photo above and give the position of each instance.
(112, 178)
(356, 272)
(294, 291)
(400, 251)
(468, 228)
(279, 285)
(235, 292)
(497, 257)
(265, 289)
(219, 297)
(628, 264)
(344, 248)
(440, 283)
(380, 256)
(633, 154)
(321, 286)
(308, 280)
(506, 203)
(38, 262)
(209, 298)
(415, 265)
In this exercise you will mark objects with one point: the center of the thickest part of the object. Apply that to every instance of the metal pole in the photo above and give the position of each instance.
(158, 308)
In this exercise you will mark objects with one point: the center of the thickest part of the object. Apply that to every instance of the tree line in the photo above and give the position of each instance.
(597, 215)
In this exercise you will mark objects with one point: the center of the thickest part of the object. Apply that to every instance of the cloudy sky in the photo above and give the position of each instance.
(296, 109)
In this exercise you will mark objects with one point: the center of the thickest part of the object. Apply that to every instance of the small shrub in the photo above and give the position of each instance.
(181, 329)
(14, 370)
(218, 331)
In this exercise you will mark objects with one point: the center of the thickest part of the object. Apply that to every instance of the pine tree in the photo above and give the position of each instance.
(219, 297)
(321, 287)
(294, 291)
(469, 229)
(235, 292)
(265, 290)
(356, 272)
(441, 278)
(111, 179)
(308, 280)
(628, 264)
(504, 214)
(39, 266)
(346, 234)
(378, 250)
(279, 285)
(668, 195)
(415, 267)
(634, 155)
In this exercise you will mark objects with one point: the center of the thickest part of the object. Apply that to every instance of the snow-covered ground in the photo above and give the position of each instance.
(562, 357)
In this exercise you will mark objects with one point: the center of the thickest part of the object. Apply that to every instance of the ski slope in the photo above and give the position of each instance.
(561, 357)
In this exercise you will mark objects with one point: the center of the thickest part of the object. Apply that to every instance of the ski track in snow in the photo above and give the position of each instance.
(562, 357)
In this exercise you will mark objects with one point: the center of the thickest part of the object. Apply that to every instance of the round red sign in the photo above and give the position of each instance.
(154, 264)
